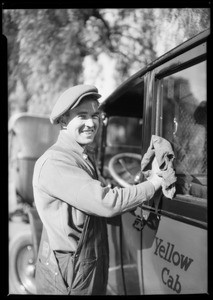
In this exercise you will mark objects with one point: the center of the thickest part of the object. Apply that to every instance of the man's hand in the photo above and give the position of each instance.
(155, 177)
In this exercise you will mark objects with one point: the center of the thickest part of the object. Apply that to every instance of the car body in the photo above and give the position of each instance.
(166, 252)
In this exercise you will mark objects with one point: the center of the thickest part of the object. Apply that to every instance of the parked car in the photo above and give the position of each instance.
(29, 136)
(161, 247)
(165, 252)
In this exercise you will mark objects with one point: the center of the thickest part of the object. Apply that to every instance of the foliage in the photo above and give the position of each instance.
(47, 47)
(174, 26)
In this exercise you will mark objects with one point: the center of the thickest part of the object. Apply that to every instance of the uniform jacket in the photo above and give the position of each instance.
(66, 190)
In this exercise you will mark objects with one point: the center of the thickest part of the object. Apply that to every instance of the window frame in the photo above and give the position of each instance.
(164, 71)
(190, 210)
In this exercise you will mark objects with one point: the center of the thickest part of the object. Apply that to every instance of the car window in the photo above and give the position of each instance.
(184, 121)
(124, 131)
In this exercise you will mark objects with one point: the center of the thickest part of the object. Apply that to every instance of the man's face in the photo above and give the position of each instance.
(83, 122)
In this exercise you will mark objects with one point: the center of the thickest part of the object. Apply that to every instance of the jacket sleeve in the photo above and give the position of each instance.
(73, 185)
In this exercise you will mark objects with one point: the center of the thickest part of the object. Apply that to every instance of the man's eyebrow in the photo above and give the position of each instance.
(86, 112)
(82, 112)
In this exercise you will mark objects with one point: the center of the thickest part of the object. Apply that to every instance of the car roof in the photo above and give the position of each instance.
(127, 99)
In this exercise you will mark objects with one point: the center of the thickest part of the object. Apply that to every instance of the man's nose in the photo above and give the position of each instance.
(89, 122)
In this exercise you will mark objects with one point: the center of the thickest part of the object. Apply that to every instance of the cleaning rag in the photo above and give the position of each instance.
(162, 150)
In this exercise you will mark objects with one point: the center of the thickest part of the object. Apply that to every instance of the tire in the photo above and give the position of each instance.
(22, 265)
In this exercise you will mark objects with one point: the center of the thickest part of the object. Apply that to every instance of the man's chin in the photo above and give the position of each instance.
(86, 141)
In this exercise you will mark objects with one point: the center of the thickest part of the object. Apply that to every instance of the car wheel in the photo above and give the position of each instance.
(22, 265)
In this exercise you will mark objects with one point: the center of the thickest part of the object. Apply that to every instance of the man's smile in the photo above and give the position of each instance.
(88, 131)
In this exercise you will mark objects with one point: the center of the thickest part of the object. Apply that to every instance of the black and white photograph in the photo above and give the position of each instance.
(107, 149)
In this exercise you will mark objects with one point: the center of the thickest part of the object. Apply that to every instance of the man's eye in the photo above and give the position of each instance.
(96, 116)
(82, 116)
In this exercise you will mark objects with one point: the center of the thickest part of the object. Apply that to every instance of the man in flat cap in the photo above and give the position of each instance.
(73, 204)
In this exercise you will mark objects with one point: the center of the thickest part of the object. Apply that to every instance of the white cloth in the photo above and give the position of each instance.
(162, 149)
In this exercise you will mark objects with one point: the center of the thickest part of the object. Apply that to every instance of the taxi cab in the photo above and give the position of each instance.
(161, 248)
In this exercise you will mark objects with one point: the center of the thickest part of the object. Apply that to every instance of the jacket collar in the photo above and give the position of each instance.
(69, 144)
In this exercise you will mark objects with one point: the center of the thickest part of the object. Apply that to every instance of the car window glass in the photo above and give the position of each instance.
(184, 120)
(123, 131)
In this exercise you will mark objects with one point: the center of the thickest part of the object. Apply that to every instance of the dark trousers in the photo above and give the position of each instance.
(84, 272)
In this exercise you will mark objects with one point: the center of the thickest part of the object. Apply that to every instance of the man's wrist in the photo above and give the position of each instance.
(156, 182)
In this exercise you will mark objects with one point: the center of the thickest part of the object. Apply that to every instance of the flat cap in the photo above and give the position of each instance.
(70, 99)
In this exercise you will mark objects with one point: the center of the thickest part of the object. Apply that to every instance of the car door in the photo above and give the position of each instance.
(174, 239)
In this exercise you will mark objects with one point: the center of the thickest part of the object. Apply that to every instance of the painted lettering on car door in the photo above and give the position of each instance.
(167, 252)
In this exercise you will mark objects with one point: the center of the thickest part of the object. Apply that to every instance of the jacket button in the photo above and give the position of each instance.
(56, 273)
(85, 156)
(47, 263)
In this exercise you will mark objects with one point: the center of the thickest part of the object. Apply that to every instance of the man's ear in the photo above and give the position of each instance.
(63, 121)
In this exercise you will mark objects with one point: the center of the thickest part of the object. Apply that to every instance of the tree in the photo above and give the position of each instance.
(174, 26)
(47, 48)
